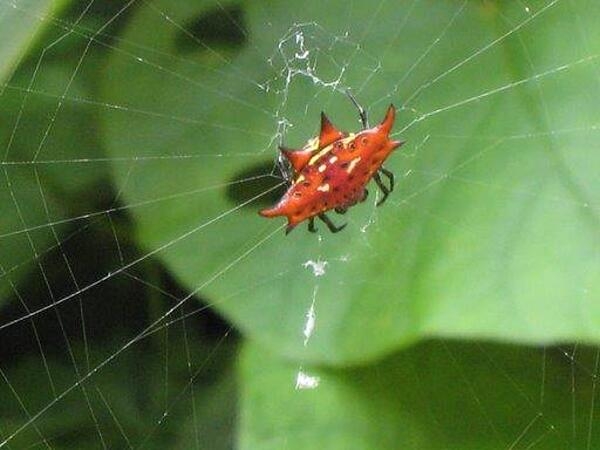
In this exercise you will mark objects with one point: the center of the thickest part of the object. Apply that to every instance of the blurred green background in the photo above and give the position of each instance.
(145, 304)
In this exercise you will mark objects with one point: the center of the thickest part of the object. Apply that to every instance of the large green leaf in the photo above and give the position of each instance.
(437, 395)
(493, 230)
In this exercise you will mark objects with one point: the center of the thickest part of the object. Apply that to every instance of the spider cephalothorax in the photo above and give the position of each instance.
(332, 171)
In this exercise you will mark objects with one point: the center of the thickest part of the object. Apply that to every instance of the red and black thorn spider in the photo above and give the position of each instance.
(332, 170)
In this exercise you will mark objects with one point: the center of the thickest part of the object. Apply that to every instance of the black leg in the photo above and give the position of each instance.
(284, 168)
(361, 111)
(330, 224)
(311, 225)
(365, 195)
(383, 188)
(341, 210)
(389, 175)
(289, 228)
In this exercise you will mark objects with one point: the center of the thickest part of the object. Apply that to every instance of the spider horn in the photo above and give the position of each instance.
(396, 144)
(271, 212)
(297, 158)
(329, 133)
(388, 121)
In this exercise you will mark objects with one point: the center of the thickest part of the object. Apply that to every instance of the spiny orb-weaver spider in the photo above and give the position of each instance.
(333, 169)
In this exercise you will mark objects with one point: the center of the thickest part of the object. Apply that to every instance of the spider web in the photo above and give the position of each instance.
(140, 140)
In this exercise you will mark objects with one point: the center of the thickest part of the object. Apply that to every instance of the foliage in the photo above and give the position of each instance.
(493, 235)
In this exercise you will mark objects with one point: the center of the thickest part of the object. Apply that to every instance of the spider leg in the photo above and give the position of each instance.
(284, 168)
(389, 175)
(311, 225)
(330, 224)
(361, 111)
(289, 228)
(382, 186)
(341, 210)
(365, 195)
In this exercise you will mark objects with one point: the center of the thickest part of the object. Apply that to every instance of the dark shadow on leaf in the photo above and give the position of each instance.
(254, 181)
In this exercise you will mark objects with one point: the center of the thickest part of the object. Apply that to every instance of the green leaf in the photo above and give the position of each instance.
(174, 388)
(493, 228)
(20, 22)
(437, 395)
(28, 185)
(126, 413)
(47, 134)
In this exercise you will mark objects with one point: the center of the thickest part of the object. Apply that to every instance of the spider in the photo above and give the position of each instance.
(332, 170)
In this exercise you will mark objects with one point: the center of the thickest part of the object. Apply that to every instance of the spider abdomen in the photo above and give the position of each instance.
(332, 172)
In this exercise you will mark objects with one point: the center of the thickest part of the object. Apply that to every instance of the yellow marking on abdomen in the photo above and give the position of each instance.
(324, 188)
(318, 155)
(327, 149)
(353, 164)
